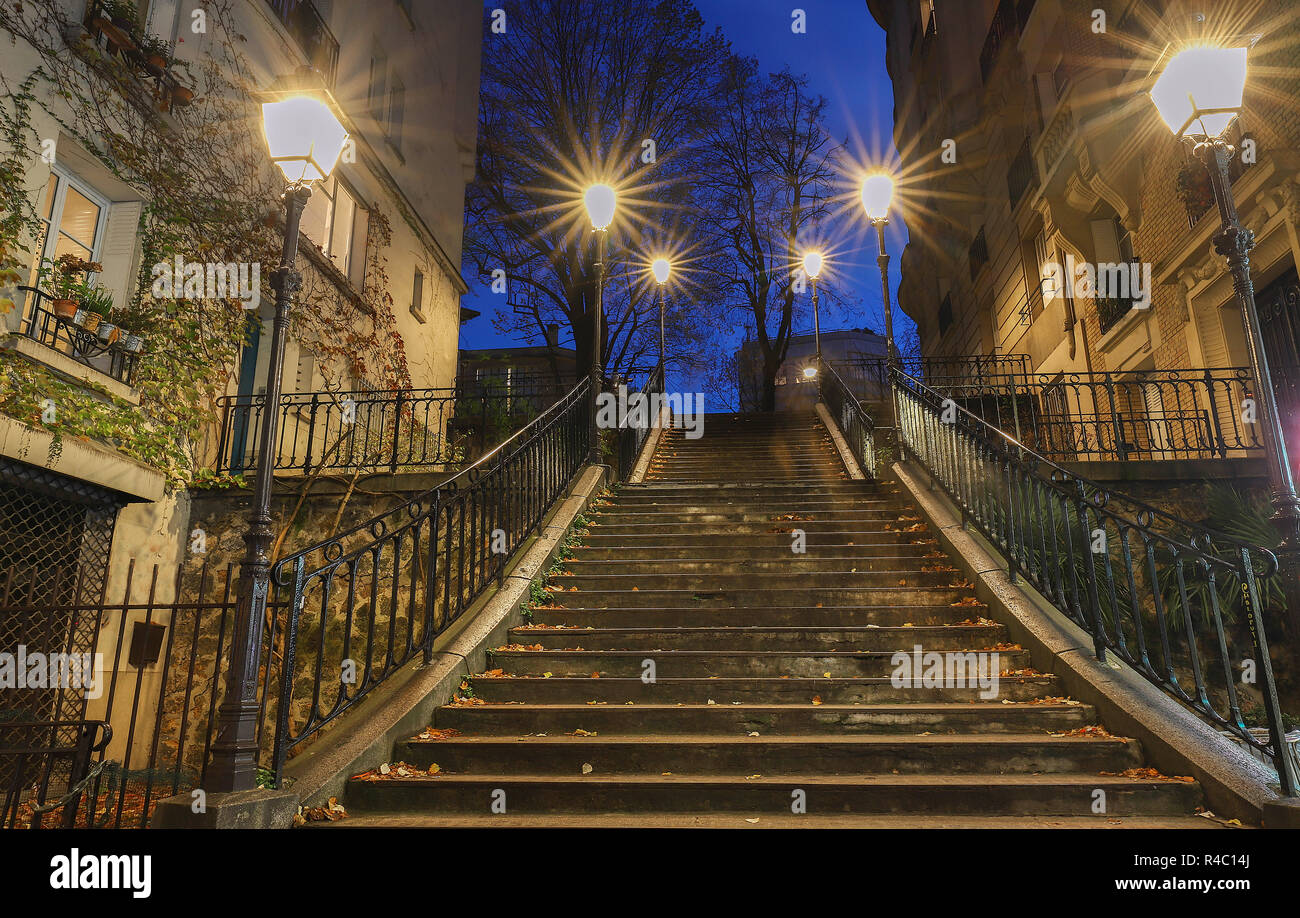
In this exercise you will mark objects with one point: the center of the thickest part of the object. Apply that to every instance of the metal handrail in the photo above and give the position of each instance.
(1174, 600)
(1146, 414)
(380, 592)
(631, 439)
(380, 429)
(854, 421)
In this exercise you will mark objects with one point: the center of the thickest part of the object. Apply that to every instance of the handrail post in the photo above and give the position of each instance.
(1115, 419)
(311, 434)
(1286, 773)
(397, 428)
(1214, 414)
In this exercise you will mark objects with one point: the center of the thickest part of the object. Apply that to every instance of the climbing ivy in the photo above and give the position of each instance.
(210, 195)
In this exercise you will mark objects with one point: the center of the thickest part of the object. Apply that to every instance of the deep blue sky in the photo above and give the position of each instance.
(843, 56)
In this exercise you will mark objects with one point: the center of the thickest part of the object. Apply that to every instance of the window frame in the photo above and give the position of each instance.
(63, 179)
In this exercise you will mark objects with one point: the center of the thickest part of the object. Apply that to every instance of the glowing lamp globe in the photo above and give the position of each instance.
(809, 372)
(877, 192)
(601, 201)
(812, 264)
(1200, 90)
(304, 138)
(661, 269)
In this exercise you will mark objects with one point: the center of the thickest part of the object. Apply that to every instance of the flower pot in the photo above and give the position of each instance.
(108, 332)
(158, 62)
(133, 344)
(182, 95)
(64, 309)
(88, 320)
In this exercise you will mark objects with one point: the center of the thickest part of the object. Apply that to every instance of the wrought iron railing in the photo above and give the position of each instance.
(163, 643)
(855, 422)
(868, 377)
(366, 602)
(371, 429)
(1022, 175)
(1183, 606)
(44, 771)
(65, 336)
(305, 23)
(632, 438)
(1143, 414)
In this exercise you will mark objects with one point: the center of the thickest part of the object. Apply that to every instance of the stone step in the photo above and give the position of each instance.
(650, 509)
(744, 489)
(738, 598)
(619, 516)
(756, 527)
(760, 616)
(689, 556)
(744, 719)
(725, 690)
(818, 754)
(805, 562)
(939, 638)
(706, 538)
(670, 664)
(789, 579)
(1014, 795)
(744, 820)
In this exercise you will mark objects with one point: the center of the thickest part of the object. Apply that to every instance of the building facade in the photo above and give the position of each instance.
(102, 437)
(849, 349)
(1029, 142)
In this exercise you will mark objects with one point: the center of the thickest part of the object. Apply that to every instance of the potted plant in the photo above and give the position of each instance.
(122, 13)
(182, 95)
(133, 320)
(156, 51)
(63, 281)
(98, 302)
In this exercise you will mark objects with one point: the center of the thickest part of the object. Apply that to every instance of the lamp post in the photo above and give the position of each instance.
(305, 140)
(1198, 95)
(601, 201)
(662, 269)
(877, 193)
(812, 269)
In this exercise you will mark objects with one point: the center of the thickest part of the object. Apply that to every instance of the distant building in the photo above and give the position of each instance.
(795, 390)
(547, 367)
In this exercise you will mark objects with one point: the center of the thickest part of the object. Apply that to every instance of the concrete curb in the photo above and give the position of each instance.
(648, 448)
(841, 445)
(1175, 741)
(405, 706)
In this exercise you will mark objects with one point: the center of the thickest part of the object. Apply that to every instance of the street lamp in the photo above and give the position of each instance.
(662, 269)
(1198, 95)
(877, 194)
(812, 268)
(601, 200)
(305, 140)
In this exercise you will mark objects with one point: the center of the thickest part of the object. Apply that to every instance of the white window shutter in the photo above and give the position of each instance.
(118, 252)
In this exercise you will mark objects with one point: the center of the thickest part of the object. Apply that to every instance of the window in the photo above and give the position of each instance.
(417, 295)
(378, 83)
(945, 314)
(160, 18)
(336, 222)
(396, 112)
(73, 218)
(305, 380)
(978, 255)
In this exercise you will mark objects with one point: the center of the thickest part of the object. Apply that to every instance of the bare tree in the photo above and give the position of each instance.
(573, 92)
(769, 176)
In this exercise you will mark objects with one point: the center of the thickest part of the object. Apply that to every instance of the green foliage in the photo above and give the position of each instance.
(211, 196)
(98, 301)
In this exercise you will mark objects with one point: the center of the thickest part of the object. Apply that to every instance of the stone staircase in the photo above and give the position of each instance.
(693, 668)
